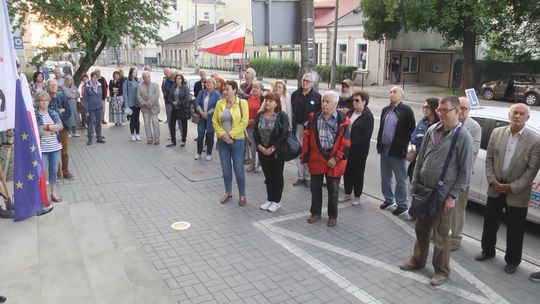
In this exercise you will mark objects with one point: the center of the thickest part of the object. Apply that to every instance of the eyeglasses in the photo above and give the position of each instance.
(307, 80)
(445, 111)
(357, 100)
(42, 100)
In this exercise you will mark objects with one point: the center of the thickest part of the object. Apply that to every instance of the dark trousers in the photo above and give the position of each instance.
(353, 178)
(201, 138)
(94, 123)
(515, 220)
(175, 116)
(134, 121)
(332, 184)
(273, 176)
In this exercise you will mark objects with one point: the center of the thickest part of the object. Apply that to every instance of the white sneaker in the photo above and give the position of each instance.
(356, 201)
(133, 138)
(137, 137)
(344, 198)
(76, 135)
(208, 157)
(197, 156)
(274, 207)
(266, 205)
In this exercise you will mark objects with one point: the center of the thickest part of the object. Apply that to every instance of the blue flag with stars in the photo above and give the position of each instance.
(27, 164)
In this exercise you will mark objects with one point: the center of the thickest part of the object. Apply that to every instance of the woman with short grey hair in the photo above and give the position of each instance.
(72, 94)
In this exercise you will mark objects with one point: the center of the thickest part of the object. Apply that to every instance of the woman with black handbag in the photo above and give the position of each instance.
(180, 109)
(271, 128)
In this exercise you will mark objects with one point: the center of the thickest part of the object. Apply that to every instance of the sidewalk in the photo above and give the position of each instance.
(235, 254)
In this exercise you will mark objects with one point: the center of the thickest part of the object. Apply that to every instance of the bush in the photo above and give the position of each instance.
(342, 72)
(274, 68)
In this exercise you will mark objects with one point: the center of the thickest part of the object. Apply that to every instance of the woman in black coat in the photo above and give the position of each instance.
(361, 129)
(271, 128)
(180, 99)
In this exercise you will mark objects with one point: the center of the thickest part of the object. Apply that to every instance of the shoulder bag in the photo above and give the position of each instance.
(425, 200)
(290, 148)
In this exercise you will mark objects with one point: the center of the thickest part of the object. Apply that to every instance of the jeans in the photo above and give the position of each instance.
(273, 176)
(168, 109)
(332, 184)
(173, 118)
(209, 140)
(151, 123)
(233, 156)
(135, 121)
(94, 122)
(51, 161)
(516, 219)
(397, 166)
(302, 172)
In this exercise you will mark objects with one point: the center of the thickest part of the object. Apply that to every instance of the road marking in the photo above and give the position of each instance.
(277, 234)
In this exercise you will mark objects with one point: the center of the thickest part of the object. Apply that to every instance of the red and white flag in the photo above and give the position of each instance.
(226, 43)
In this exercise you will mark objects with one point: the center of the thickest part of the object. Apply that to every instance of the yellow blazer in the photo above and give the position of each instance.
(240, 118)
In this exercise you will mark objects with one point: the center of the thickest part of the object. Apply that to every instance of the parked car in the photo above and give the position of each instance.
(490, 118)
(516, 87)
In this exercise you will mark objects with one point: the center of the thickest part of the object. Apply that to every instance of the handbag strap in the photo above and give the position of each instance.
(448, 157)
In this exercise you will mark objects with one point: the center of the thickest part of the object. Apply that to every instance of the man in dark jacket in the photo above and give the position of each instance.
(396, 126)
(60, 104)
(166, 84)
(304, 101)
(199, 85)
(105, 91)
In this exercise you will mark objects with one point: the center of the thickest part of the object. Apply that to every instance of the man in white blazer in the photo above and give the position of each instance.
(512, 162)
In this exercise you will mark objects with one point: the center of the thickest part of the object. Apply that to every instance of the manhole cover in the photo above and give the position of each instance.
(180, 225)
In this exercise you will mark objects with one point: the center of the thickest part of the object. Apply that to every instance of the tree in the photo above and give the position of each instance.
(92, 25)
(465, 21)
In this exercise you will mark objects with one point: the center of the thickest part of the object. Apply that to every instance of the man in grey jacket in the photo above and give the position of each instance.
(148, 98)
(458, 215)
(429, 166)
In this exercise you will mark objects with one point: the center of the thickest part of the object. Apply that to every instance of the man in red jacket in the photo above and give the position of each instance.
(324, 152)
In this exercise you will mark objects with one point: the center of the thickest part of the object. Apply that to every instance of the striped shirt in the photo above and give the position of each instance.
(389, 128)
(327, 130)
(49, 143)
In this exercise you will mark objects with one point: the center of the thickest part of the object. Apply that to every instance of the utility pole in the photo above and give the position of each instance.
(195, 51)
(334, 46)
(307, 63)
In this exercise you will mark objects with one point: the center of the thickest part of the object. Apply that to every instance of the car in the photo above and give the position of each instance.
(516, 87)
(490, 118)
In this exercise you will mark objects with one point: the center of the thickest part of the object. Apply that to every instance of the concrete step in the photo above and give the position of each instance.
(146, 282)
(63, 274)
(19, 261)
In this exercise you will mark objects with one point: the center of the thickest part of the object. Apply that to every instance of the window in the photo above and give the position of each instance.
(361, 56)
(206, 15)
(485, 132)
(409, 64)
(256, 54)
(342, 54)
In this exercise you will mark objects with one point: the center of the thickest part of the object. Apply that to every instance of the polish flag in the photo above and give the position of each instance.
(226, 43)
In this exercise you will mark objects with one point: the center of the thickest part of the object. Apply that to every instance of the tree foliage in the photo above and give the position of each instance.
(463, 21)
(94, 24)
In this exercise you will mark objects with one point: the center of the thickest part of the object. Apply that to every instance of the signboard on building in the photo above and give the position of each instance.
(272, 23)
(18, 43)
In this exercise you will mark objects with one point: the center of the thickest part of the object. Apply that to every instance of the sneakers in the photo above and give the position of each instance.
(133, 138)
(385, 205)
(344, 198)
(299, 182)
(274, 207)
(535, 276)
(100, 140)
(208, 157)
(258, 169)
(251, 168)
(266, 205)
(197, 156)
(76, 135)
(400, 210)
(137, 137)
(437, 280)
(356, 201)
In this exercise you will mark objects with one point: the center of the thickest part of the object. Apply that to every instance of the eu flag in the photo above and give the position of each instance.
(27, 164)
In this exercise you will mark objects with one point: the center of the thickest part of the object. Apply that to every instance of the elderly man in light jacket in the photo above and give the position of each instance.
(148, 98)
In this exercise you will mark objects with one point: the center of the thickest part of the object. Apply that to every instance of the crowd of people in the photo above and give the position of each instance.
(253, 126)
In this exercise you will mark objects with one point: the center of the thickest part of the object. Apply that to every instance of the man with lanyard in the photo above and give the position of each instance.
(304, 101)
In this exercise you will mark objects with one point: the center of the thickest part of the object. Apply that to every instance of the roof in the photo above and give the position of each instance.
(188, 36)
(325, 11)
(501, 113)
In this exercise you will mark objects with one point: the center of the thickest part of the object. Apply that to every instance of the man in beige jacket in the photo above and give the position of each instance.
(148, 98)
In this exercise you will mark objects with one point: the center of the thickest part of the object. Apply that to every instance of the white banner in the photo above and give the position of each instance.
(8, 71)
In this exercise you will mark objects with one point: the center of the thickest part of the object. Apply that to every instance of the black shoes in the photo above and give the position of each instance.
(482, 257)
(100, 140)
(171, 145)
(45, 210)
(385, 205)
(400, 210)
(509, 268)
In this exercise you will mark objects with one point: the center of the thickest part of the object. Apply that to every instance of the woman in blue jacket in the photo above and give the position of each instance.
(129, 91)
(205, 105)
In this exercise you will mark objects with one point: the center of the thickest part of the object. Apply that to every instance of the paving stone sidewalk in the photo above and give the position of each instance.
(235, 254)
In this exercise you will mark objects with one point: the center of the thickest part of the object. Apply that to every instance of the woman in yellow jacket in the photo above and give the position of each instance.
(230, 120)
